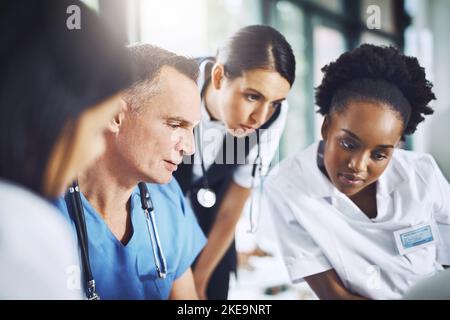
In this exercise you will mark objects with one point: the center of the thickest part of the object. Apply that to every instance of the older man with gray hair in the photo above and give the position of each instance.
(136, 253)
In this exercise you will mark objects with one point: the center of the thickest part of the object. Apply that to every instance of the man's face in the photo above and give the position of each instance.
(152, 141)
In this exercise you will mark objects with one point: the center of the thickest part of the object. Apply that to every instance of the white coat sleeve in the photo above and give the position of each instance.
(441, 210)
(302, 256)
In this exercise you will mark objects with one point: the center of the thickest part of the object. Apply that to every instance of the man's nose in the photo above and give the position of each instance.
(188, 144)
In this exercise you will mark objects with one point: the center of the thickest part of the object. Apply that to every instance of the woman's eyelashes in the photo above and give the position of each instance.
(349, 145)
(252, 97)
(379, 156)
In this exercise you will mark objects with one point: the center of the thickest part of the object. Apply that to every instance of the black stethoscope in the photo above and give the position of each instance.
(80, 226)
(206, 197)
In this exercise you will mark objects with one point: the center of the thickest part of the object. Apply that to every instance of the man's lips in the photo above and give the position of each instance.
(170, 165)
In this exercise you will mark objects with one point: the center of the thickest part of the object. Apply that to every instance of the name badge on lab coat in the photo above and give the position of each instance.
(411, 239)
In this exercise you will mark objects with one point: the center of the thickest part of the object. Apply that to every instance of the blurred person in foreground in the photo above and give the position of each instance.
(59, 88)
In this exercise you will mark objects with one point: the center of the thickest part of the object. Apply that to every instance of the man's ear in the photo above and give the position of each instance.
(217, 75)
(116, 123)
(325, 127)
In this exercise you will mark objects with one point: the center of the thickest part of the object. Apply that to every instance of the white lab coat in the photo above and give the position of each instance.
(320, 228)
(434, 288)
(38, 257)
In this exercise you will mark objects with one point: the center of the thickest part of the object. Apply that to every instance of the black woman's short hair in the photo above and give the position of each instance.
(377, 74)
(50, 74)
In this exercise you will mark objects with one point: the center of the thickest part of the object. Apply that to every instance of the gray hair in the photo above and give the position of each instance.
(148, 61)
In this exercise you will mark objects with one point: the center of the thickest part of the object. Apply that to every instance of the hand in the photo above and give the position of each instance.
(201, 284)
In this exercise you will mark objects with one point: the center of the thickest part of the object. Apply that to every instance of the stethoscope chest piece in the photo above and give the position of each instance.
(206, 197)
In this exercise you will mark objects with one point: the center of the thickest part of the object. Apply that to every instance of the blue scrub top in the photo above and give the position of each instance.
(128, 271)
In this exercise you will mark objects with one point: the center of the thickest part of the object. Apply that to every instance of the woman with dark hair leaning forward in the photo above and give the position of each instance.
(357, 217)
(58, 92)
(243, 93)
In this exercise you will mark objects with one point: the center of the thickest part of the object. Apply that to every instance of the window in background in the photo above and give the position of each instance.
(330, 5)
(289, 20)
(225, 17)
(93, 4)
(193, 28)
(175, 25)
(316, 40)
(329, 44)
(419, 43)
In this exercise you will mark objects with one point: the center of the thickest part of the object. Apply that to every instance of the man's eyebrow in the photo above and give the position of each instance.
(180, 119)
(384, 146)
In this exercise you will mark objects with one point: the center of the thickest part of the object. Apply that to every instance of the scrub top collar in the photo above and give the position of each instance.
(322, 187)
